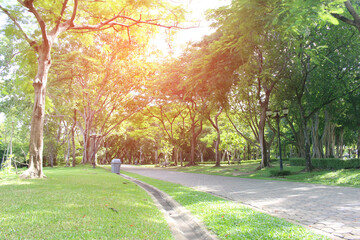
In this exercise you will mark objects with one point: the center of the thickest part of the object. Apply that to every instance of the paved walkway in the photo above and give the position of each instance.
(333, 210)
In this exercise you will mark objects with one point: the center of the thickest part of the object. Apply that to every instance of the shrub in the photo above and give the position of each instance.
(278, 173)
(78, 159)
(231, 162)
(328, 163)
(297, 162)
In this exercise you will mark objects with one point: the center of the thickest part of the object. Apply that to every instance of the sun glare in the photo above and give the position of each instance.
(165, 42)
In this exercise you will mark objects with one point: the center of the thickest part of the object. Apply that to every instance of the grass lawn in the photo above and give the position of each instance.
(78, 203)
(230, 220)
(345, 177)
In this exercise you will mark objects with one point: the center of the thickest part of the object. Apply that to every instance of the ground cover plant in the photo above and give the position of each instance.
(78, 203)
(343, 177)
(230, 220)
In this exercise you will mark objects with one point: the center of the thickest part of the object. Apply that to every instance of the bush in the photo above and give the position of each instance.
(278, 173)
(231, 162)
(328, 163)
(297, 162)
(78, 159)
(278, 159)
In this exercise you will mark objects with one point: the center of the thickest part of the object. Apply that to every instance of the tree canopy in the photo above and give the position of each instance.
(99, 94)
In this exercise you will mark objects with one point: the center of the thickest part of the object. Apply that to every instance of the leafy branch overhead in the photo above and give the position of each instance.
(62, 24)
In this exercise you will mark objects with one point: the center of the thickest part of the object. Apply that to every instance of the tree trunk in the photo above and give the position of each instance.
(67, 154)
(332, 140)
(215, 124)
(86, 148)
(299, 140)
(35, 169)
(51, 154)
(300, 143)
(217, 151)
(328, 138)
(176, 149)
(156, 157)
(358, 144)
(192, 142)
(223, 156)
(309, 166)
(181, 158)
(73, 148)
(228, 156)
(264, 155)
(317, 146)
(141, 156)
(73, 141)
(340, 143)
(247, 153)
(194, 136)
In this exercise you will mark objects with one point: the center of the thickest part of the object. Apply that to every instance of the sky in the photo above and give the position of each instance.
(197, 9)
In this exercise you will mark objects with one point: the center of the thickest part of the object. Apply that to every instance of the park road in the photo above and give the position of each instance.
(330, 209)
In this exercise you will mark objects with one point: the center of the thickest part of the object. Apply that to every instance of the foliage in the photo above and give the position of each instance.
(232, 162)
(262, 54)
(75, 203)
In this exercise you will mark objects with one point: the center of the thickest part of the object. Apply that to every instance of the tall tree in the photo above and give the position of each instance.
(245, 50)
(320, 73)
(54, 19)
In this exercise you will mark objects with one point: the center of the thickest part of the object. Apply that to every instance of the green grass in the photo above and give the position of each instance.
(345, 177)
(227, 219)
(74, 203)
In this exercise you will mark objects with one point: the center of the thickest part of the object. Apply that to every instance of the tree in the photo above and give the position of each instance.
(15, 99)
(320, 73)
(53, 20)
(245, 50)
(169, 118)
(103, 93)
(215, 123)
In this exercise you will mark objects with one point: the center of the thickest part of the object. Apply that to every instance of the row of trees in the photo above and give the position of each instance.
(105, 97)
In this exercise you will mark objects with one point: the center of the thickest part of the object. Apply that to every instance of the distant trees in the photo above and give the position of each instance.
(207, 104)
(53, 19)
(103, 93)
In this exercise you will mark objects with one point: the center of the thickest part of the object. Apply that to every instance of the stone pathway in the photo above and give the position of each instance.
(334, 211)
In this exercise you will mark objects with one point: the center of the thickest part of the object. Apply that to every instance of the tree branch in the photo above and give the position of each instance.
(76, 3)
(352, 11)
(29, 5)
(354, 14)
(31, 43)
(330, 100)
(61, 14)
(111, 23)
(343, 19)
(240, 133)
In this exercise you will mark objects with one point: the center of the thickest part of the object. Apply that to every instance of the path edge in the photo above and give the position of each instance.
(179, 209)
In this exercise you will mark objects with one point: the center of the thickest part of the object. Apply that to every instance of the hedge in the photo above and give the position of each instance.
(231, 162)
(278, 173)
(327, 163)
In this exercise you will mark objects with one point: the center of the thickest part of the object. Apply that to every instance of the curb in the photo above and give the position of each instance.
(183, 225)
